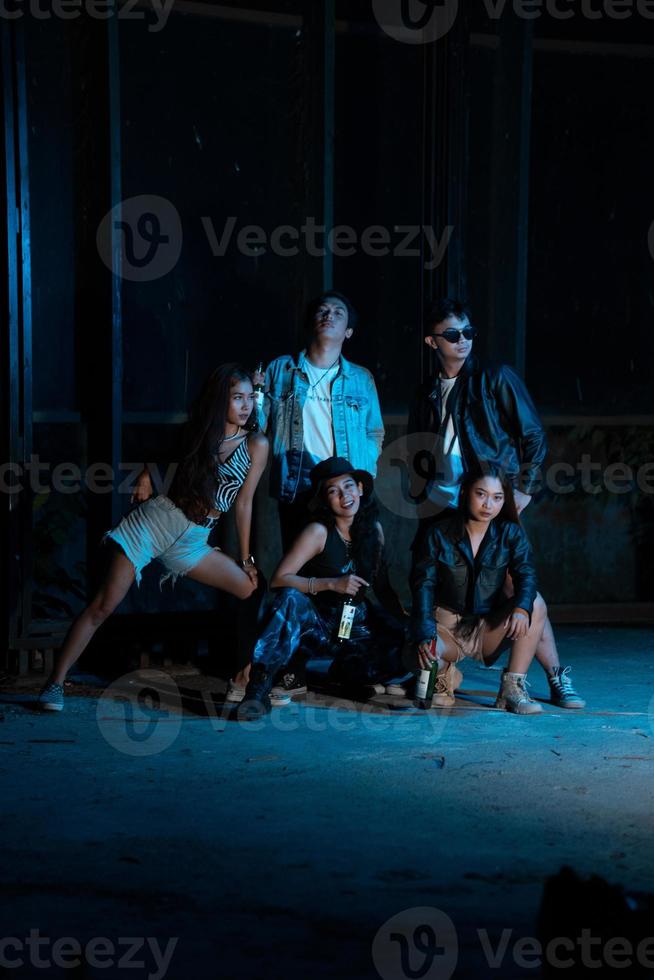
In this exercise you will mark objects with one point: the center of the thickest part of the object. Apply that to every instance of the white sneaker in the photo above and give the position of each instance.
(234, 692)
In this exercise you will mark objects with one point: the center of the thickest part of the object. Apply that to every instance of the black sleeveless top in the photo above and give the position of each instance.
(333, 561)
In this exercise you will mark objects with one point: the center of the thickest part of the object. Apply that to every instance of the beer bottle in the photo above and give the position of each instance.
(426, 681)
(347, 618)
(258, 389)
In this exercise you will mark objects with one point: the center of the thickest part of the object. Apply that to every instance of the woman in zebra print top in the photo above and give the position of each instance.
(224, 459)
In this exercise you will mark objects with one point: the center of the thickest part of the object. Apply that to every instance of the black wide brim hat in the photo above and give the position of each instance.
(329, 468)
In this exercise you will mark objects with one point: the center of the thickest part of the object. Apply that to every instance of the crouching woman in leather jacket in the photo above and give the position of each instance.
(458, 581)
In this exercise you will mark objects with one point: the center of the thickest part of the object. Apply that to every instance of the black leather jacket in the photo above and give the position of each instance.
(494, 418)
(446, 574)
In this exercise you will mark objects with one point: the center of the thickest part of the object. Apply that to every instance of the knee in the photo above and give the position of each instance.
(245, 588)
(99, 611)
(540, 608)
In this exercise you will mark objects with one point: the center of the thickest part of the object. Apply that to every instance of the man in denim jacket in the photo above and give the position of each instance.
(318, 405)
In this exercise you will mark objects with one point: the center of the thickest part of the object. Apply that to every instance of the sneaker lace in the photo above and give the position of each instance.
(563, 682)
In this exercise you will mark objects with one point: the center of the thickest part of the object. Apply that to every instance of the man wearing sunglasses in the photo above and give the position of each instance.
(478, 414)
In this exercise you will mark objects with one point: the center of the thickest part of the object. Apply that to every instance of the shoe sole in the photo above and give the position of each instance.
(234, 698)
(577, 705)
(281, 693)
(51, 707)
(503, 706)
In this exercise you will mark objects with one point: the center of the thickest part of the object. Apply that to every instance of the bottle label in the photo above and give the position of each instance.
(422, 684)
(426, 679)
(347, 618)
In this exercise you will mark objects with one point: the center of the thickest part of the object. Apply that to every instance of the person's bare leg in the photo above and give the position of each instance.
(524, 649)
(221, 572)
(241, 679)
(447, 652)
(547, 653)
(111, 593)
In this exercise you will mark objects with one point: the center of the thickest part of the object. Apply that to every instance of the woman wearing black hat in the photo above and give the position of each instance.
(332, 562)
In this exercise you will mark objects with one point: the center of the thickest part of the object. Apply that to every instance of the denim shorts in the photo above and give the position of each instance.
(159, 529)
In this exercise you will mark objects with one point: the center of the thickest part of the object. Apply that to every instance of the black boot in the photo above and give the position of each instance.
(256, 702)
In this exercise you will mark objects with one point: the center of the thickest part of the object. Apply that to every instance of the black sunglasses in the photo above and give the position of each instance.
(452, 335)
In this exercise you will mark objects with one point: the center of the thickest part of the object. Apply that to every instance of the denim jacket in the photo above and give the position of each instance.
(356, 420)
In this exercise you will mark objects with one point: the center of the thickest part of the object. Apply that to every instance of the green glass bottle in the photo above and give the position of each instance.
(426, 682)
(258, 389)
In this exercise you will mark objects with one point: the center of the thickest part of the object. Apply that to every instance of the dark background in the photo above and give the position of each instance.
(545, 177)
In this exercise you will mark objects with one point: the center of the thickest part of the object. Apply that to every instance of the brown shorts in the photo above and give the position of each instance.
(471, 643)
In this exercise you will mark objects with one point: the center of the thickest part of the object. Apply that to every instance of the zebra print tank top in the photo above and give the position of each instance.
(231, 476)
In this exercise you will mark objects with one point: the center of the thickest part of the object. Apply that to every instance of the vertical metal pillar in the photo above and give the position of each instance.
(25, 258)
(16, 343)
(99, 308)
(116, 274)
(509, 190)
(11, 439)
(444, 163)
(320, 28)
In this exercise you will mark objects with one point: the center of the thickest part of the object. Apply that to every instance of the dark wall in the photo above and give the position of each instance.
(218, 118)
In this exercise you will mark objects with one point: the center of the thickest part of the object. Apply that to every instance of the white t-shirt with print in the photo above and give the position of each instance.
(317, 413)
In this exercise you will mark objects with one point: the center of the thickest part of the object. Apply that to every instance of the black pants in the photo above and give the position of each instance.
(293, 627)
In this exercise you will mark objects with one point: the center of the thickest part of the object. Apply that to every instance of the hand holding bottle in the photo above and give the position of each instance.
(349, 584)
(426, 654)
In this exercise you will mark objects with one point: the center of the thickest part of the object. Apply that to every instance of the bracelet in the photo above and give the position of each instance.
(248, 562)
(312, 586)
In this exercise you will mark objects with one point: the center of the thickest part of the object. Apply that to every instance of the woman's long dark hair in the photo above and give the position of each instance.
(196, 481)
(366, 542)
(509, 510)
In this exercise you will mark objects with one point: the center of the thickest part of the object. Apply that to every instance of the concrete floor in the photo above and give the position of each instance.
(283, 849)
